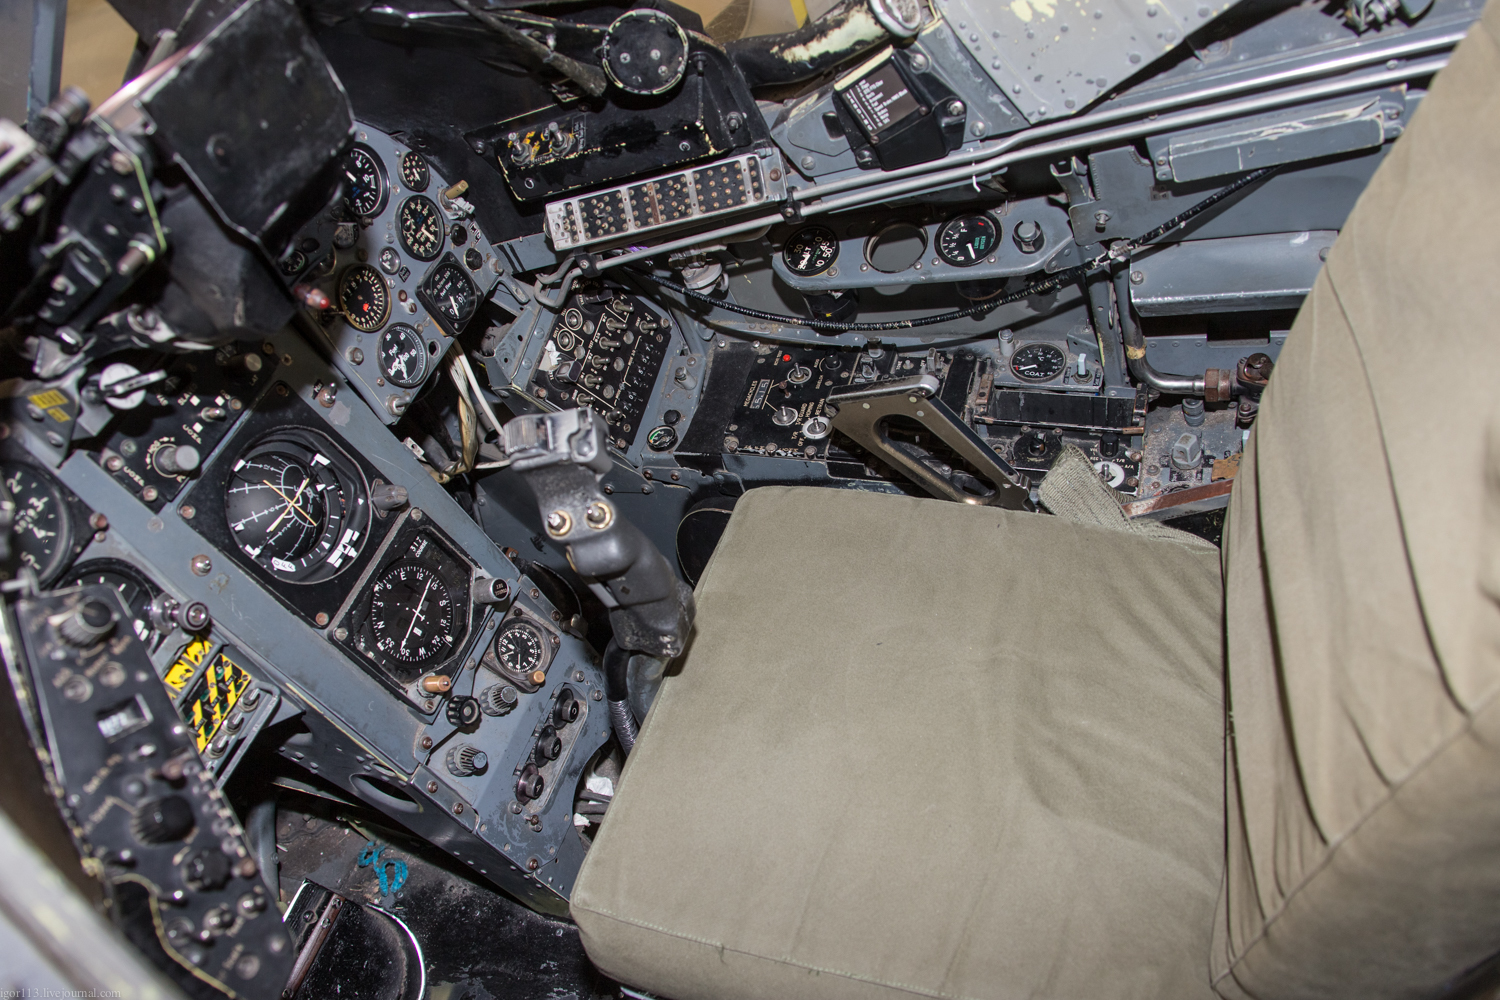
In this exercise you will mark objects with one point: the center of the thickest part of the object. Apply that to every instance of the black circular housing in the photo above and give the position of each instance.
(412, 613)
(288, 502)
(134, 588)
(365, 185)
(966, 240)
(414, 172)
(810, 250)
(1038, 362)
(419, 226)
(645, 52)
(364, 298)
(403, 356)
(896, 247)
(522, 648)
(42, 529)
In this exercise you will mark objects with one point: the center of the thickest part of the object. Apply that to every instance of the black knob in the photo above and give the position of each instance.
(91, 621)
(465, 759)
(566, 709)
(162, 820)
(498, 699)
(530, 784)
(463, 710)
(548, 745)
(178, 459)
(206, 870)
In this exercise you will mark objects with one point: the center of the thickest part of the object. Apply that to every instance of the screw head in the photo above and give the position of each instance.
(559, 523)
(598, 515)
(432, 787)
(1136, 277)
(321, 619)
(955, 108)
(202, 565)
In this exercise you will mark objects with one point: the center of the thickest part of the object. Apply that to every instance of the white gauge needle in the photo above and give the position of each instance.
(416, 613)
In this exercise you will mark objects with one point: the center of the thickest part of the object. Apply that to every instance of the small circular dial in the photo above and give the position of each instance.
(1038, 362)
(42, 530)
(521, 648)
(968, 239)
(420, 227)
(411, 613)
(403, 356)
(414, 172)
(288, 510)
(133, 587)
(811, 250)
(364, 298)
(365, 181)
(449, 293)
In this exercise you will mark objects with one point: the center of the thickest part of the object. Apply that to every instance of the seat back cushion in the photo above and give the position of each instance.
(1362, 578)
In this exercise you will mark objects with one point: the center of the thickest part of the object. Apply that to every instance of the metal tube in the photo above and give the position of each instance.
(1135, 347)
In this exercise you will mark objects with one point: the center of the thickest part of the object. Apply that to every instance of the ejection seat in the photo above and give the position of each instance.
(925, 749)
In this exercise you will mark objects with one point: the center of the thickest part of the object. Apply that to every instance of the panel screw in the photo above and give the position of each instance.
(559, 523)
(458, 808)
(202, 565)
(532, 864)
(187, 511)
(955, 108)
(98, 522)
(149, 494)
(321, 619)
(114, 463)
(432, 787)
(1136, 277)
(427, 745)
(341, 633)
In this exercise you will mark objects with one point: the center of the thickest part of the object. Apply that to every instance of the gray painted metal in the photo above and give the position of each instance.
(1193, 353)
(1238, 274)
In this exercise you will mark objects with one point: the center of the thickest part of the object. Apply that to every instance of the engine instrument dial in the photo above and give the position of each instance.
(412, 613)
(449, 293)
(420, 227)
(966, 240)
(43, 532)
(810, 250)
(522, 648)
(288, 510)
(364, 298)
(1038, 362)
(414, 172)
(403, 356)
(365, 177)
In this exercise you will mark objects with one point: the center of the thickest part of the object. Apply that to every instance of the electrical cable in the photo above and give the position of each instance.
(1119, 251)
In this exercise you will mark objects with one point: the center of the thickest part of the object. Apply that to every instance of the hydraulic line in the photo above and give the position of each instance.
(1119, 251)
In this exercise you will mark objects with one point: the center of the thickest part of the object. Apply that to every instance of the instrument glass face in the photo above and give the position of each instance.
(364, 298)
(420, 227)
(450, 294)
(810, 250)
(414, 172)
(134, 588)
(412, 613)
(403, 356)
(1038, 362)
(968, 239)
(521, 647)
(291, 511)
(365, 179)
(42, 531)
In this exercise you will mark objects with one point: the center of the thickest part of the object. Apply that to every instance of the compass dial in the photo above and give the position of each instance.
(403, 356)
(1038, 362)
(364, 298)
(364, 182)
(420, 227)
(289, 511)
(412, 613)
(811, 250)
(968, 239)
(414, 172)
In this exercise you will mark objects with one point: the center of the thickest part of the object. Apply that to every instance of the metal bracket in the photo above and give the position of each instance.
(865, 413)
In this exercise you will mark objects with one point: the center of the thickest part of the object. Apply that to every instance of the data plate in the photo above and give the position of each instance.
(716, 189)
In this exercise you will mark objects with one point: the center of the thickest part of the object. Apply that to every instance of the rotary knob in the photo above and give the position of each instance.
(498, 699)
(178, 459)
(530, 784)
(566, 709)
(465, 760)
(548, 746)
(463, 710)
(91, 621)
(163, 820)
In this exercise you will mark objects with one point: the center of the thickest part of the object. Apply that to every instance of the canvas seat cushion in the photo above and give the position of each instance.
(927, 749)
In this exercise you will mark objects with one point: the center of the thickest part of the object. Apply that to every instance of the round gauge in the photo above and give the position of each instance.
(134, 588)
(420, 227)
(522, 647)
(290, 511)
(390, 260)
(811, 250)
(403, 356)
(42, 529)
(365, 179)
(449, 293)
(1038, 362)
(364, 298)
(412, 613)
(968, 239)
(414, 172)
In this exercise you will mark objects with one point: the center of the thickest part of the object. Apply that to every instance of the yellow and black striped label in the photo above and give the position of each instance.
(186, 667)
(213, 696)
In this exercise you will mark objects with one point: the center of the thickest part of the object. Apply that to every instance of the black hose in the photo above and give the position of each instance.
(617, 690)
(818, 46)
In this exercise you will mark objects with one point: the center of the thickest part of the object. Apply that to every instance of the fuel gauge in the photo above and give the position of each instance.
(966, 240)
